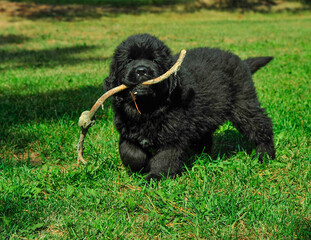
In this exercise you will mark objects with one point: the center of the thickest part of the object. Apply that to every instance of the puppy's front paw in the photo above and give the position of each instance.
(153, 176)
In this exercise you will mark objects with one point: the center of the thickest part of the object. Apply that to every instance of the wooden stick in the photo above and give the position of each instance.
(87, 120)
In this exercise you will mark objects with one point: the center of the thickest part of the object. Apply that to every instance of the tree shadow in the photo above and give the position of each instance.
(33, 10)
(79, 9)
(17, 110)
(264, 6)
(70, 12)
(12, 38)
(46, 57)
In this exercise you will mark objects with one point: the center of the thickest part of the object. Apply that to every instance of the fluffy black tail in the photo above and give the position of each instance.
(257, 62)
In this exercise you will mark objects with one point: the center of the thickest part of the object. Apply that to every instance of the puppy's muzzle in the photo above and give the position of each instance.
(141, 90)
(137, 75)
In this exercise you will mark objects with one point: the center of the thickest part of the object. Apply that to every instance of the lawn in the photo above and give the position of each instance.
(52, 68)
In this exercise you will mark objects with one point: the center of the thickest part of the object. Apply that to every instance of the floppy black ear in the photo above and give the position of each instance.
(110, 81)
(174, 82)
(179, 94)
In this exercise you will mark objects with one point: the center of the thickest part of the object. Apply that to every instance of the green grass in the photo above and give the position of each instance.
(116, 3)
(51, 71)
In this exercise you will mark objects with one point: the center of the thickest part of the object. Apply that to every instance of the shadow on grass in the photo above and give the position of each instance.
(303, 228)
(14, 212)
(39, 106)
(46, 57)
(67, 11)
(12, 38)
(17, 111)
(228, 143)
(78, 9)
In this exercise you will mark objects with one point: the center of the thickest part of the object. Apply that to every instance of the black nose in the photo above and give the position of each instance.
(141, 71)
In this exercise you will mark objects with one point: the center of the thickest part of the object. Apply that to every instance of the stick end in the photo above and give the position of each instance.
(85, 120)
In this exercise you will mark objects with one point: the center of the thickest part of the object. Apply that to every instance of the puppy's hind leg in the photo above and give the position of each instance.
(250, 119)
(167, 162)
(133, 156)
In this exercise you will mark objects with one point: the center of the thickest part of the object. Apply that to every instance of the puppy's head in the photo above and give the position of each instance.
(140, 58)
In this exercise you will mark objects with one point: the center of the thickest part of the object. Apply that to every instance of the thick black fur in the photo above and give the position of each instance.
(181, 113)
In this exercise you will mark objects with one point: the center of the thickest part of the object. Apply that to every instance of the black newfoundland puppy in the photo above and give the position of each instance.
(167, 120)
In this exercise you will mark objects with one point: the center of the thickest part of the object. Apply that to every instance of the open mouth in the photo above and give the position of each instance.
(141, 90)
(141, 95)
